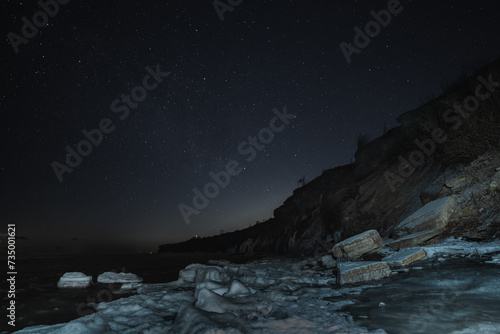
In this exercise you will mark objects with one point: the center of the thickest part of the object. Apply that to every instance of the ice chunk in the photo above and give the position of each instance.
(74, 280)
(110, 277)
(191, 320)
(218, 288)
(197, 273)
(128, 281)
(241, 307)
(237, 289)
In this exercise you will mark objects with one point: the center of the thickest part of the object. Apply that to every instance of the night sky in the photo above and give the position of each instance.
(225, 79)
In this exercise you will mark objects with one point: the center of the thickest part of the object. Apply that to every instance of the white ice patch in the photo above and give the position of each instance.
(483, 328)
(453, 246)
(74, 280)
(495, 260)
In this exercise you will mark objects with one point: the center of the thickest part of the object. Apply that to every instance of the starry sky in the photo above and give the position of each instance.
(226, 81)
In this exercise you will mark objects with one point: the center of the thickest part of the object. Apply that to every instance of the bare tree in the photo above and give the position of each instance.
(386, 128)
(362, 140)
(302, 181)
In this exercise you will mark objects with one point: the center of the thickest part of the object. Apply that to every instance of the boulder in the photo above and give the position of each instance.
(466, 180)
(415, 239)
(434, 215)
(405, 257)
(358, 245)
(74, 280)
(364, 271)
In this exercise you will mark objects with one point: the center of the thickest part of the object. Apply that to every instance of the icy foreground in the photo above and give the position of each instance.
(267, 296)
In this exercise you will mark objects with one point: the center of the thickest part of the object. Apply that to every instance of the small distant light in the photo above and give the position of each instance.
(150, 252)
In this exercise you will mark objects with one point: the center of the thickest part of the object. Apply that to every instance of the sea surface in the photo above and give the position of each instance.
(40, 302)
(459, 296)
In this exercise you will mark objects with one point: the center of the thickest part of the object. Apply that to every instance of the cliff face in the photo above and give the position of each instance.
(392, 177)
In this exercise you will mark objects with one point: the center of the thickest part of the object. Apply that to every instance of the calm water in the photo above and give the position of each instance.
(457, 295)
(40, 302)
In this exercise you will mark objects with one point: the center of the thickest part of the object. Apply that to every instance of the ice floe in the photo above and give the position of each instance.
(74, 280)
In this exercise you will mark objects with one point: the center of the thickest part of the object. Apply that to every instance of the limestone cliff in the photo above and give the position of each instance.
(447, 147)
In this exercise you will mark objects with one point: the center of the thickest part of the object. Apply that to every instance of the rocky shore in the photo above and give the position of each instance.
(270, 295)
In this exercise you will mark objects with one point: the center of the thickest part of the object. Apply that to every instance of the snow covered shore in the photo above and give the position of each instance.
(266, 296)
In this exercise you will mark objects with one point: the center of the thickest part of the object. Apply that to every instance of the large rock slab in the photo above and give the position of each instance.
(358, 245)
(364, 271)
(415, 239)
(433, 215)
(74, 280)
(405, 257)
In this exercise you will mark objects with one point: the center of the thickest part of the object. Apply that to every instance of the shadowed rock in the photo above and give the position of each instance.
(434, 215)
(415, 239)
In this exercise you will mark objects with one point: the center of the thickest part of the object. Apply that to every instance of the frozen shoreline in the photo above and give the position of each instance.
(265, 296)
